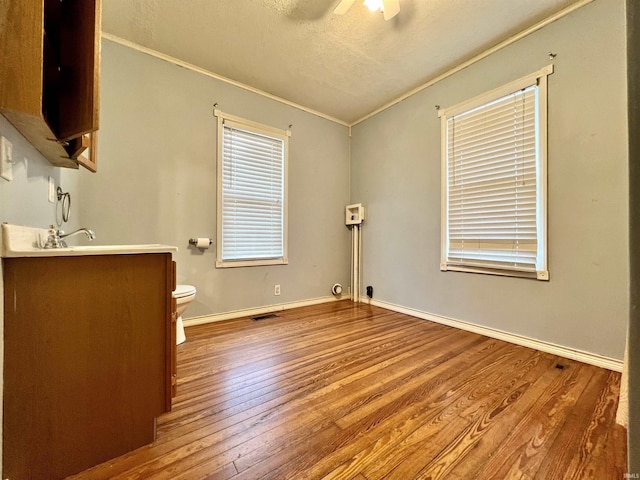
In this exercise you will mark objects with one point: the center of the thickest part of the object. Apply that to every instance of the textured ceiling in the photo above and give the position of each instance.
(343, 66)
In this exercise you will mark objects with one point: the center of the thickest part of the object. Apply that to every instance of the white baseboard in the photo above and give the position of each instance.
(566, 352)
(252, 312)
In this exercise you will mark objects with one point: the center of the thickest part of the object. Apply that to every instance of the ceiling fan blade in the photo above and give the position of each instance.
(343, 6)
(391, 8)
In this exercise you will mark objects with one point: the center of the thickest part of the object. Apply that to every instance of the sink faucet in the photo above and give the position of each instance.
(56, 237)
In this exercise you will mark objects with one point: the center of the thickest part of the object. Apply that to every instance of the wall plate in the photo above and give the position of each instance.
(6, 159)
(52, 190)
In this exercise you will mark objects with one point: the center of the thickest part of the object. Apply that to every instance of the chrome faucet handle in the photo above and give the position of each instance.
(53, 239)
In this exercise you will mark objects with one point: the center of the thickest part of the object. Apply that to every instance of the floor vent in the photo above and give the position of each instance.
(559, 366)
(264, 317)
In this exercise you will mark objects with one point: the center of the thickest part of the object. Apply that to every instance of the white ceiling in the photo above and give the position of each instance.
(343, 66)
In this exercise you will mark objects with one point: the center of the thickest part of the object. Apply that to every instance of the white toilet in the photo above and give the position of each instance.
(183, 294)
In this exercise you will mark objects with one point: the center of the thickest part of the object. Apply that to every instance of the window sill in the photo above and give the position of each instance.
(541, 275)
(251, 263)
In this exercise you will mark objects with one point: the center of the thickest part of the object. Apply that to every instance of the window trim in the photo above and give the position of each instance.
(538, 78)
(259, 128)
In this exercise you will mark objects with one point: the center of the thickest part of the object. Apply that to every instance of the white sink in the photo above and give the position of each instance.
(19, 241)
(109, 248)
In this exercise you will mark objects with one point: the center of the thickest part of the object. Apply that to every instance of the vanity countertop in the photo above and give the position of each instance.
(18, 241)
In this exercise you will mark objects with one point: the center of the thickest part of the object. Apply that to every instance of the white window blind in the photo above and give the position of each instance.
(492, 182)
(252, 199)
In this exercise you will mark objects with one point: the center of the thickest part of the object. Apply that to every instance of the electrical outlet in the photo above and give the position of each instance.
(6, 159)
(276, 290)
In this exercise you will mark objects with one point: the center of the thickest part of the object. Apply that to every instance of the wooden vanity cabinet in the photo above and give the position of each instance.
(49, 74)
(89, 349)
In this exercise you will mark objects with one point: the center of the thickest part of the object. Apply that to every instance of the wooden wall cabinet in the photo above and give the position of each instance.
(89, 355)
(49, 74)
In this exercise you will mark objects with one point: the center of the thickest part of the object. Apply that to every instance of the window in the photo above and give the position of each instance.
(494, 181)
(252, 193)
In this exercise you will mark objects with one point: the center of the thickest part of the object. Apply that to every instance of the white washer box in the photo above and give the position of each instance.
(354, 214)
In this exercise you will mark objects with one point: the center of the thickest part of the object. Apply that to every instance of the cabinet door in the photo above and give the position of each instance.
(89, 158)
(72, 56)
(21, 43)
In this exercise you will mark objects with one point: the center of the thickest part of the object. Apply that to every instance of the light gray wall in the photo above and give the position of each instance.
(157, 184)
(633, 74)
(396, 174)
(156, 181)
(24, 200)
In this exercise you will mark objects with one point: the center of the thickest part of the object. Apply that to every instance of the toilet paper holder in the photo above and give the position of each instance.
(197, 242)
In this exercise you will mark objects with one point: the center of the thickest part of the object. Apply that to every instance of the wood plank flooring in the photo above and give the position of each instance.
(345, 391)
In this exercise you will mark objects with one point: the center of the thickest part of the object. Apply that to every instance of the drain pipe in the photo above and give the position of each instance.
(355, 275)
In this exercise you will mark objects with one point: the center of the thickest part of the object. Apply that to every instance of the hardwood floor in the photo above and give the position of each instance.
(348, 391)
